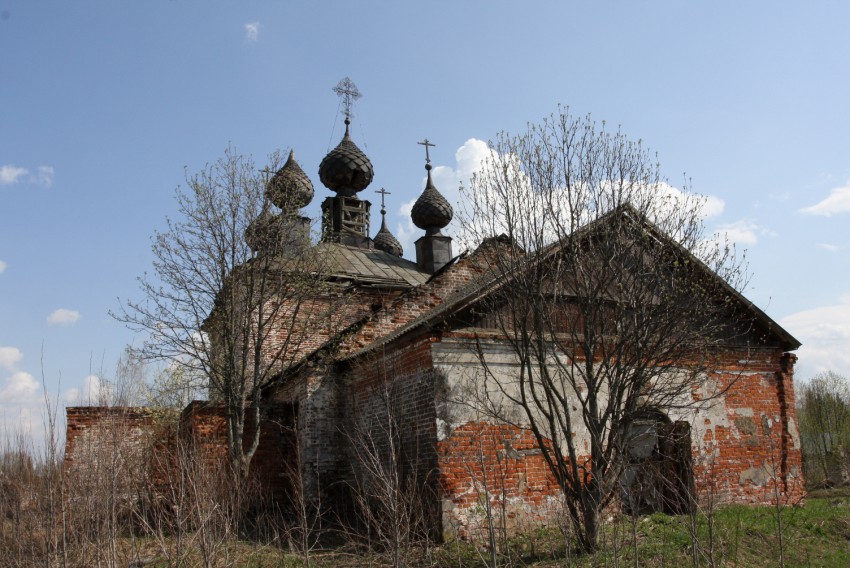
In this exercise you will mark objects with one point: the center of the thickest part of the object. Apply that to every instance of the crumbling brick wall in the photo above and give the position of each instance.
(203, 431)
(746, 443)
(481, 465)
(96, 435)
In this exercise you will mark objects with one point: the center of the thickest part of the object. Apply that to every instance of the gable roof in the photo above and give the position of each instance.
(490, 280)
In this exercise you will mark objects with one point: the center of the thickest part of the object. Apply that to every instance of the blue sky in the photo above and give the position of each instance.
(103, 104)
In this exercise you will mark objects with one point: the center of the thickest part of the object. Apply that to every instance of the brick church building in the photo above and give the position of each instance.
(392, 391)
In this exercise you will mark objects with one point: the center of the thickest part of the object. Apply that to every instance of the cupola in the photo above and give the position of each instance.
(290, 188)
(385, 240)
(346, 170)
(432, 212)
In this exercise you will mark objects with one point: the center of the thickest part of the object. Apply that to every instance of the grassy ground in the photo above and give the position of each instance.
(817, 534)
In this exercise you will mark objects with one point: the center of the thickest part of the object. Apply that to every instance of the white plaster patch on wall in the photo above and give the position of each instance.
(795, 434)
(444, 429)
(744, 411)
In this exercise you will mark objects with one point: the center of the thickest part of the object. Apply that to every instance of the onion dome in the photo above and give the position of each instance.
(431, 211)
(385, 240)
(263, 231)
(346, 169)
(290, 188)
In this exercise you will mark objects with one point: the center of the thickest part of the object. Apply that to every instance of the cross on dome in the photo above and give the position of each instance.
(349, 93)
(427, 144)
(383, 193)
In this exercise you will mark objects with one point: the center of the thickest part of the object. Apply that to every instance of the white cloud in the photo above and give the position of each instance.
(468, 161)
(825, 334)
(63, 316)
(21, 401)
(252, 31)
(3, 267)
(10, 174)
(743, 232)
(829, 247)
(837, 202)
(707, 205)
(19, 388)
(9, 357)
(44, 176)
(94, 391)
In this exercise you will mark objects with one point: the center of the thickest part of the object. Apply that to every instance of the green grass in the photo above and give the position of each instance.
(817, 534)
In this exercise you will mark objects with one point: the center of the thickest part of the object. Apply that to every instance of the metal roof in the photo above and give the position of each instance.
(370, 266)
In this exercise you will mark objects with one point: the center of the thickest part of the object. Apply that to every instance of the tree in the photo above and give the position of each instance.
(236, 291)
(605, 296)
(824, 415)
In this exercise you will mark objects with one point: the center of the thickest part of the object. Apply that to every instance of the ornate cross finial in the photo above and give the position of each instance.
(427, 144)
(347, 90)
(383, 193)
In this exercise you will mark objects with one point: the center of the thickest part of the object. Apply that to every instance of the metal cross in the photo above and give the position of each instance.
(349, 93)
(427, 144)
(383, 193)
(267, 173)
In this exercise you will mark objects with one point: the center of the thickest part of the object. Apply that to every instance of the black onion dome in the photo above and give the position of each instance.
(386, 242)
(346, 169)
(431, 211)
(290, 188)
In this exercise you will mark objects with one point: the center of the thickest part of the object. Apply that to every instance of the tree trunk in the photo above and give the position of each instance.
(589, 533)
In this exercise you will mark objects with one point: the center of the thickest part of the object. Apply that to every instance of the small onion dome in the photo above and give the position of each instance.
(290, 188)
(431, 211)
(346, 169)
(385, 240)
(263, 231)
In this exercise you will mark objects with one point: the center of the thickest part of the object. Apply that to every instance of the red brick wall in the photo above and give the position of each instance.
(417, 301)
(481, 462)
(93, 429)
(747, 448)
(112, 453)
(745, 445)
(203, 426)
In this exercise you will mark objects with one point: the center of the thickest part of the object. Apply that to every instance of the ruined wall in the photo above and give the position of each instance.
(744, 441)
(306, 325)
(488, 471)
(204, 435)
(314, 395)
(484, 464)
(110, 453)
(93, 430)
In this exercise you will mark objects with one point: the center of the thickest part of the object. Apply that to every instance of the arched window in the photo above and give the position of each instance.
(657, 474)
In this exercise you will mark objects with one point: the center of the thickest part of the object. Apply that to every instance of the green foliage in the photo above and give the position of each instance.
(823, 412)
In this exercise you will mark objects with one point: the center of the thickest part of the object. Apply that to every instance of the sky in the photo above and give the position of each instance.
(104, 105)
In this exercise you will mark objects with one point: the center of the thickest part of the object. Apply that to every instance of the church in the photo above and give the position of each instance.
(410, 381)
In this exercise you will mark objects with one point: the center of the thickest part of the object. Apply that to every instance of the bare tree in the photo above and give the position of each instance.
(236, 291)
(607, 293)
